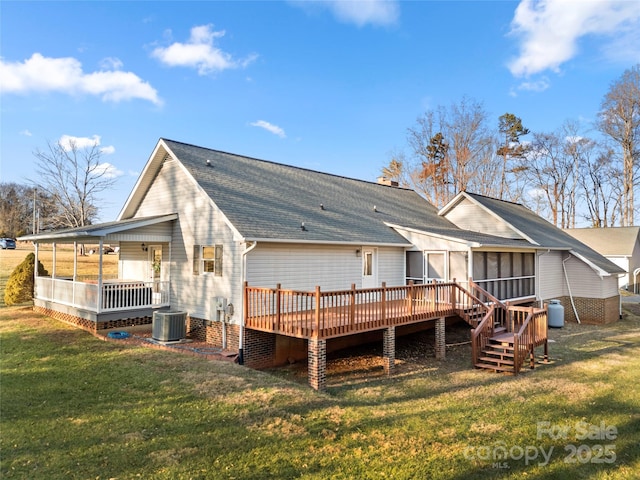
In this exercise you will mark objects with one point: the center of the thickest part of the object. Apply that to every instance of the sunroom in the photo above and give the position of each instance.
(99, 298)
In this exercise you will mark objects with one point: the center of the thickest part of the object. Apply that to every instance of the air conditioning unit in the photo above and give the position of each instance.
(169, 326)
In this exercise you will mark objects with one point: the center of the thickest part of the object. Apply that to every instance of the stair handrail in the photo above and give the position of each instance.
(470, 295)
(481, 334)
(504, 308)
(474, 286)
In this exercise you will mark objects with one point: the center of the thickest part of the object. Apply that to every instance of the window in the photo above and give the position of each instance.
(207, 259)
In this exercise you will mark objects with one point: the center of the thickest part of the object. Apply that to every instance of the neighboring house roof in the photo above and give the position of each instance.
(95, 232)
(611, 241)
(537, 230)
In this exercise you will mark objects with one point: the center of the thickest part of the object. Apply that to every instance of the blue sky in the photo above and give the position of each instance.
(331, 86)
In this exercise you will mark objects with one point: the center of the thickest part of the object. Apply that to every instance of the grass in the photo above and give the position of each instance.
(75, 406)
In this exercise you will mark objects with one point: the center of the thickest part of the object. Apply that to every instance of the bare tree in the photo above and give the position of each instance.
(73, 177)
(453, 150)
(550, 171)
(620, 120)
(598, 178)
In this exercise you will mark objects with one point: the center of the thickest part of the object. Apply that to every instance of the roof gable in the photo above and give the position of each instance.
(538, 231)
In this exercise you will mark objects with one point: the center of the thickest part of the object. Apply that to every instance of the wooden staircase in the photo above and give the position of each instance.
(498, 354)
(503, 336)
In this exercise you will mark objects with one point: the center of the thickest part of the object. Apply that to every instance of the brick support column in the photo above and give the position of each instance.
(317, 359)
(389, 349)
(440, 339)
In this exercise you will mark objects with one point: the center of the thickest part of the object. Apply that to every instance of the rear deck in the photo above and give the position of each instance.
(318, 316)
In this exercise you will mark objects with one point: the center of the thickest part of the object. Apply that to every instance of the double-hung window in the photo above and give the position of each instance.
(207, 259)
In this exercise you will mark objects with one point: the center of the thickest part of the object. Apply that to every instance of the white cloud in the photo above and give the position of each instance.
(270, 128)
(539, 85)
(549, 31)
(68, 141)
(361, 12)
(200, 52)
(26, 133)
(65, 75)
(108, 170)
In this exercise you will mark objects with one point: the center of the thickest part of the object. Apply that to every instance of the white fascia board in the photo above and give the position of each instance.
(236, 234)
(148, 166)
(324, 242)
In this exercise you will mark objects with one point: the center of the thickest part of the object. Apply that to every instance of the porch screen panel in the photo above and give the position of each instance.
(435, 265)
(529, 267)
(519, 284)
(479, 265)
(415, 267)
(458, 266)
(506, 271)
(493, 265)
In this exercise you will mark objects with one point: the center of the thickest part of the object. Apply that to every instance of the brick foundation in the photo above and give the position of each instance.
(592, 311)
(389, 350)
(317, 369)
(259, 349)
(214, 332)
(440, 345)
(90, 325)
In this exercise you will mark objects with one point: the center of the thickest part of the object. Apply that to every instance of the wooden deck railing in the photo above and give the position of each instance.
(329, 314)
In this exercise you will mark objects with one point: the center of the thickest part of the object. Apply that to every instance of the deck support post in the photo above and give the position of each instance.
(389, 349)
(440, 338)
(317, 367)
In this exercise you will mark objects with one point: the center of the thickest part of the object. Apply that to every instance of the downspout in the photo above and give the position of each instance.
(566, 277)
(243, 266)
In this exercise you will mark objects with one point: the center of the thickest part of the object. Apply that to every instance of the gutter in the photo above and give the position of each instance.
(243, 274)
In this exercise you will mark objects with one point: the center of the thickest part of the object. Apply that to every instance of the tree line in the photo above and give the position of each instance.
(565, 175)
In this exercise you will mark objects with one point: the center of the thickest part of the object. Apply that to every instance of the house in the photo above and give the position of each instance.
(280, 262)
(621, 245)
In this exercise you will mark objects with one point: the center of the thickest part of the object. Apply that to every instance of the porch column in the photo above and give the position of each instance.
(99, 306)
(317, 358)
(389, 349)
(440, 339)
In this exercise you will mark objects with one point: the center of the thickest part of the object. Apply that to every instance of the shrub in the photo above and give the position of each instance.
(19, 288)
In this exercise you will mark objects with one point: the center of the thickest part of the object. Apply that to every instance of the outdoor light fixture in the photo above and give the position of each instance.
(358, 252)
(144, 248)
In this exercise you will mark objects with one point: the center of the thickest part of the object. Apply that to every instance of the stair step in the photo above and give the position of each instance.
(487, 366)
(499, 330)
(497, 361)
(503, 338)
(497, 352)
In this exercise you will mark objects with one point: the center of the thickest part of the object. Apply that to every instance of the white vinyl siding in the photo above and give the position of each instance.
(303, 267)
(470, 216)
(199, 223)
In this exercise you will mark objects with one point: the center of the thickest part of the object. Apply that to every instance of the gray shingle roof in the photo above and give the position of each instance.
(542, 232)
(608, 241)
(269, 201)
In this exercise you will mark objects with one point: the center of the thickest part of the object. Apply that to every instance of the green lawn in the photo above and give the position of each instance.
(74, 406)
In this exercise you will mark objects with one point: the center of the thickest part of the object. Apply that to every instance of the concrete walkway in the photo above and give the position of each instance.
(631, 299)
